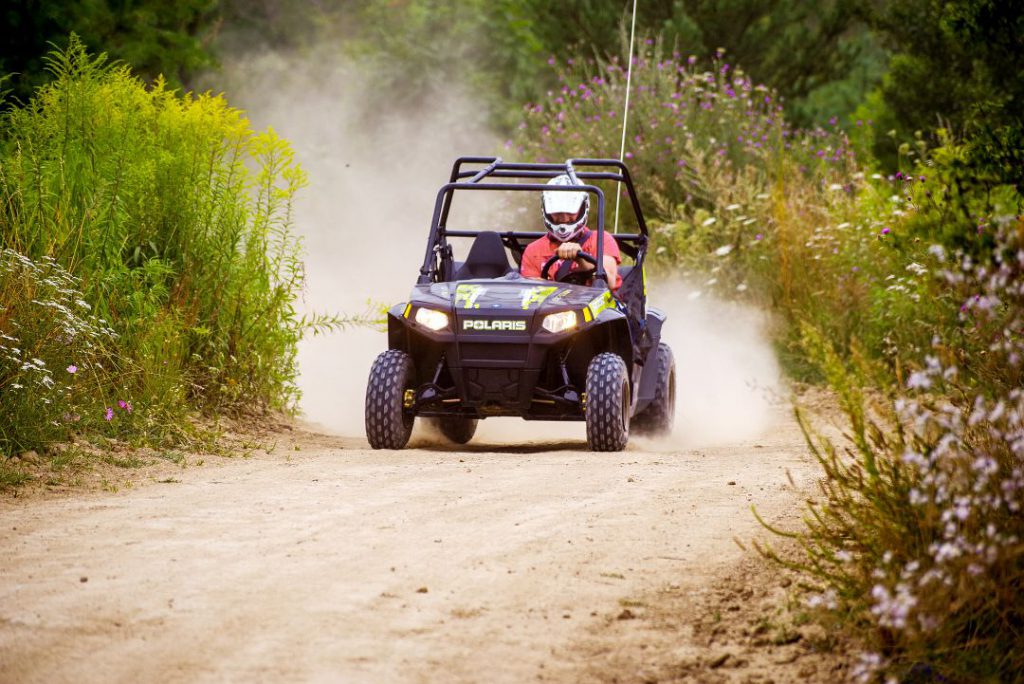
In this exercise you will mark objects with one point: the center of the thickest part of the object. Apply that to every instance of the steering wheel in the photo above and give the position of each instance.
(572, 277)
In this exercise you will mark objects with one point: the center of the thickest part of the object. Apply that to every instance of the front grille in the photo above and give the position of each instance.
(479, 351)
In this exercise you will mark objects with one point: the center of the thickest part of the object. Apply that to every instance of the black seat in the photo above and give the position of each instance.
(486, 258)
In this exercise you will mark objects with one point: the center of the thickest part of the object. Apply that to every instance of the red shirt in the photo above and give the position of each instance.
(540, 250)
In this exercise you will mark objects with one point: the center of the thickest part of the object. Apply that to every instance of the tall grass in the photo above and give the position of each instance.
(174, 220)
(917, 325)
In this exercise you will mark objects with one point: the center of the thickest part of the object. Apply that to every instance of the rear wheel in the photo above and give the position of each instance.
(656, 420)
(607, 409)
(388, 423)
(456, 428)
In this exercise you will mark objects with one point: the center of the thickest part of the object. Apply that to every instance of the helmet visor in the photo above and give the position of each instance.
(563, 202)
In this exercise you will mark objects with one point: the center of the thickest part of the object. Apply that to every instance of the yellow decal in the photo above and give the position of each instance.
(600, 303)
(536, 295)
(467, 296)
(408, 308)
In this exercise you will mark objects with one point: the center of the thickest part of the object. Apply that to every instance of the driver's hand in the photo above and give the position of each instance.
(568, 250)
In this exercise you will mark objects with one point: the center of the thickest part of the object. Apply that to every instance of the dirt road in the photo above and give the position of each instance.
(326, 561)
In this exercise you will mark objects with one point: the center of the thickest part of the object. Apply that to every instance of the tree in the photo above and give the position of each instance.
(794, 46)
(959, 65)
(153, 36)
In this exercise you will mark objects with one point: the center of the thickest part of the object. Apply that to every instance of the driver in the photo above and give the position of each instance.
(565, 215)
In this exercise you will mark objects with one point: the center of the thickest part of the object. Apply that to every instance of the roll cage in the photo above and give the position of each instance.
(438, 261)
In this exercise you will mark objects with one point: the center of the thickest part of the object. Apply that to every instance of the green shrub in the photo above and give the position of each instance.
(175, 217)
(692, 129)
(917, 539)
(747, 206)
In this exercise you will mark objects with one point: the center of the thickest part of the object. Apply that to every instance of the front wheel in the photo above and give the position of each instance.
(456, 428)
(388, 423)
(607, 407)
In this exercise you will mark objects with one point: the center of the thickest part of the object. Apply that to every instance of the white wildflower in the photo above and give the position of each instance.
(891, 609)
(919, 380)
(867, 665)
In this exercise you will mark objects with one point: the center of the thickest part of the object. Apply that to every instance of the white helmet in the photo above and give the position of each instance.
(575, 203)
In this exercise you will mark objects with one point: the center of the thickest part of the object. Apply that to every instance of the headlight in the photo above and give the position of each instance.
(559, 322)
(431, 318)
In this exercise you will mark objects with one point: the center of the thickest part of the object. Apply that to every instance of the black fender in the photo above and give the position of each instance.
(398, 331)
(610, 333)
(649, 377)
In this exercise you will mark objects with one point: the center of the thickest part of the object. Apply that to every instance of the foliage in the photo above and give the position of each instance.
(958, 65)
(821, 58)
(175, 217)
(740, 200)
(955, 201)
(918, 536)
(155, 37)
(689, 124)
(816, 56)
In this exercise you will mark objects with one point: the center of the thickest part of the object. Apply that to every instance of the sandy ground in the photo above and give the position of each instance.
(325, 561)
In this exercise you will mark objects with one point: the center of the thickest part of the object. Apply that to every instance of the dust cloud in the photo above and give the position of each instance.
(374, 171)
(727, 378)
(365, 215)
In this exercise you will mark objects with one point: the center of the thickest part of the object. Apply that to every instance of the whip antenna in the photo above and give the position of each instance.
(625, 115)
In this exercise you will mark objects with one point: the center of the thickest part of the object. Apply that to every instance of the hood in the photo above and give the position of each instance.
(519, 296)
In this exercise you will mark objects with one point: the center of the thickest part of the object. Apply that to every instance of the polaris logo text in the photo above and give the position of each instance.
(486, 324)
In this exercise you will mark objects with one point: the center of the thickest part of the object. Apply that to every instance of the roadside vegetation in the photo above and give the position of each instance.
(902, 289)
(148, 264)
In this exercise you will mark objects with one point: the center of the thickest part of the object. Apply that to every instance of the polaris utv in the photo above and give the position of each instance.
(476, 339)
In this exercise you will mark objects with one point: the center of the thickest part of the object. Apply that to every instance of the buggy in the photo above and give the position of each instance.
(477, 339)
